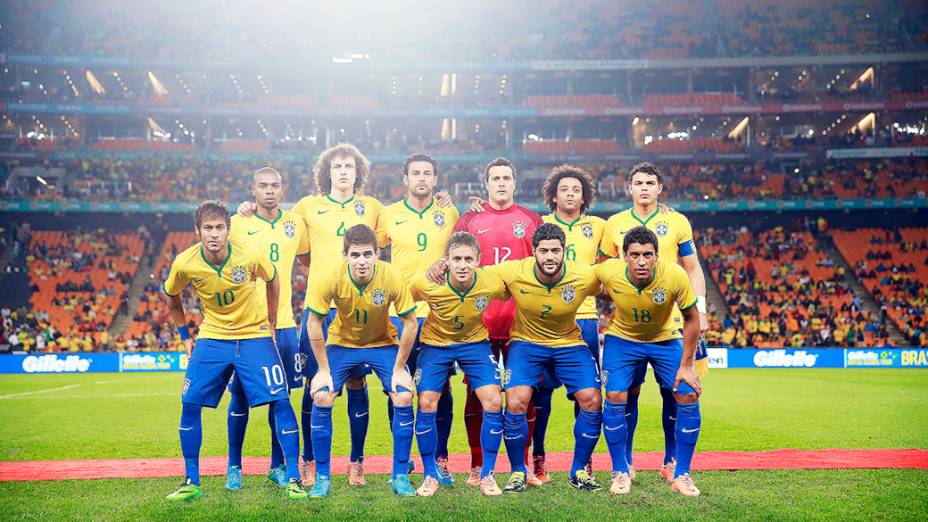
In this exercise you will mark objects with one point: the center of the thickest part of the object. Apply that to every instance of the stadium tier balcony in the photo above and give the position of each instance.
(780, 290)
(670, 146)
(657, 101)
(244, 146)
(893, 266)
(592, 101)
(79, 279)
(140, 145)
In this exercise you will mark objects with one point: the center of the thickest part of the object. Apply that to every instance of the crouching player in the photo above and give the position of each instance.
(454, 331)
(646, 291)
(232, 337)
(363, 291)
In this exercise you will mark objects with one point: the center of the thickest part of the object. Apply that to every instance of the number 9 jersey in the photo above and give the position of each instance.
(227, 292)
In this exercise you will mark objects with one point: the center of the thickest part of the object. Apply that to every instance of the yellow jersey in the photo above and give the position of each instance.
(673, 230)
(227, 292)
(281, 240)
(362, 318)
(546, 315)
(327, 220)
(417, 239)
(457, 317)
(583, 237)
(649, 314)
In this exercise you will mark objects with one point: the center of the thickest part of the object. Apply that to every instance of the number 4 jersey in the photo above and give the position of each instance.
(504, 235)
(227, 292)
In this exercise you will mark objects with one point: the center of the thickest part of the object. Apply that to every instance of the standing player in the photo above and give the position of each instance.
(454, 332)
(675, 236)
(281, 236)
(361, 335)
(232, 337)
(648, 293)
(504, 231)
(569, 192)
(417, 229)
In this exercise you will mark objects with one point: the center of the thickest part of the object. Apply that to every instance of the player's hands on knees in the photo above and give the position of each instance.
(476, 204)
(401, 378)
(247, 208)
(688, 375)
(188, 346)
(321, 381)
(436, 272)
(444, 199)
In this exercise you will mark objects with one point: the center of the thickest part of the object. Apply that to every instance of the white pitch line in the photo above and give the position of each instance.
(105, 395)
(47, 390)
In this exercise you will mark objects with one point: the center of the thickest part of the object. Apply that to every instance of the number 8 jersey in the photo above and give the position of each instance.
(227, 293)
(504, 235)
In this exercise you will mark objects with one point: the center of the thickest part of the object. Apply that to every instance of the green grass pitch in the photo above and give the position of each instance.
(99, 416)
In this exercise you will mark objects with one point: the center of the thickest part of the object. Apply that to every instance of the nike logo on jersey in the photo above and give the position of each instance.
(360, 414)
(321, 212)
(404, 424)
(482, 230)
(523, 292)
(275, 391)
(253, 232)
(285, 432)
(614, 291)
(684, 430)
(400, 222)
(607, 428)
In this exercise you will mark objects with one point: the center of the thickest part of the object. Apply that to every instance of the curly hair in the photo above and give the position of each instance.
(548, 231)
(587, 185)
(323, 167)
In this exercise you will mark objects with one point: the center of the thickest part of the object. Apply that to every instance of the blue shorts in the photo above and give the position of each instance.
(476, 359)
(343, 362)
(290, 357)
(642, 371)
(572, 365)
(310, 366)
(589, 331)
(255, 361)
(411, 363)
(623, 358)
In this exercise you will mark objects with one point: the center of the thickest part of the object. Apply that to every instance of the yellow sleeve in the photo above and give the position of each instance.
(176, 280)
(417, 289)
(454, 216)
(685, 228)
(607, 246)
(264, 268)
(320, 293)
(592, 282)
(507, 271)
(236, 228)
(303, 231)
(685, 296)
(402, 298)
(383, 237)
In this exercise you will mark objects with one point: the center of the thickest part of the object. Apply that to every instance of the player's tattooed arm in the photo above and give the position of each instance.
(444, 199)
(247, 208)
(273, 297)
(436, 272)
(322, 382)
(176, 306)
(687, 373)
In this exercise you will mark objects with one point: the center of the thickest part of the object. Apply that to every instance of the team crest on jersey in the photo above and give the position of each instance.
(239, 275)
(481, 303)
(661, 228)
(587, 230)
(659, 295)
(379, 297)
(186, 386)
(518, 229)
(568, 293)
(439, 218)
(290, 229)
(359, 208)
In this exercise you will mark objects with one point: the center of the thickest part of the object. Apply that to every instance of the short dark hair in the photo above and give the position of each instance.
(271, 170)
(359, 235)
(498, 162)
(548, 231)
(645, 167)
(420, 156)
(322, 170)
(462, 239)
(641, 235)
(211, 209)
(569, 171)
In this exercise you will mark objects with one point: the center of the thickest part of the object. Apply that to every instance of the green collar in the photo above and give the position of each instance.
(570, 225)
(645, 222)
(414, 211)
(360, 288)
(280, 214)
(218, 269)
(455, 290)
(629, 279)
(549, 287)
(337, 202)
